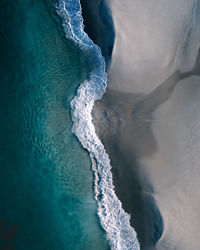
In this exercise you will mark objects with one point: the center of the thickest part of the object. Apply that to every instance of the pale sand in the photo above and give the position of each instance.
(149, 121)
(174, 169)
(153, 40)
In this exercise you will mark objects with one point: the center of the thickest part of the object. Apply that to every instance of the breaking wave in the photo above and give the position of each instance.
(113, 218)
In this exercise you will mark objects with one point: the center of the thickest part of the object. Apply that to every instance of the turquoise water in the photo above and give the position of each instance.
(46, 181)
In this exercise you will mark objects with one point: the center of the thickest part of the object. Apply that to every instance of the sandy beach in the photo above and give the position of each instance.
(149, 121)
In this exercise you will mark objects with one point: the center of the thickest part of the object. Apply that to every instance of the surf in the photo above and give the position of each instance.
(114, 220)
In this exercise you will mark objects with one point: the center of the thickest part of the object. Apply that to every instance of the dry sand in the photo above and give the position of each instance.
(153, 40)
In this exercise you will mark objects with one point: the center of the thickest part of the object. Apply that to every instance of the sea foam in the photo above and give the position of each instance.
(113, 218)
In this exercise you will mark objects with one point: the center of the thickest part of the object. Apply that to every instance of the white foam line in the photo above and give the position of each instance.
(113, 218)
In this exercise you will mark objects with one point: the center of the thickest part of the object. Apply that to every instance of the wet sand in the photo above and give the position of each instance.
(142, 120)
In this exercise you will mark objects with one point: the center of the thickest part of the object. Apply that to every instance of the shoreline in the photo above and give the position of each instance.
(126, 123)
(113, 218)
(141, 197)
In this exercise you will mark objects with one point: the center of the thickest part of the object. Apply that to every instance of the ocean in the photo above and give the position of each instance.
(46, 181)
(48, 142)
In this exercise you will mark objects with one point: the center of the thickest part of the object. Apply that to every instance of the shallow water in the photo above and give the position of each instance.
(46, 181)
